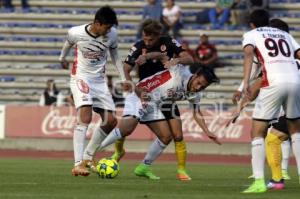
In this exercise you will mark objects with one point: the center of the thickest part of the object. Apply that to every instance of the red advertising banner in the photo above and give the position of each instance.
(58, 122)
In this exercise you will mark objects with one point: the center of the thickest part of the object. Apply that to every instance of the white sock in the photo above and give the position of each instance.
(154, 151)
(296, 149)
(98, 136)
(78, 143)
(258, 157)
(112, 137)
(285, 148)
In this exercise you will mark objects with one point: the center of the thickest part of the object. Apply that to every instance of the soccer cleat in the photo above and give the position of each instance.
(91, 164)
(285, 175)
(80, 170)
(144, 170)
(182, 175)
(276, 185)
(258, 186)
(117, 156)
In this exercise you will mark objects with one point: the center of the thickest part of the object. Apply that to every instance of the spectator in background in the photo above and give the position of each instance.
(8, 4)
(185, 46)
(153, 10)
(206, 54)
(49, 97)
(172, 19)
(219, 15)
(244, 7)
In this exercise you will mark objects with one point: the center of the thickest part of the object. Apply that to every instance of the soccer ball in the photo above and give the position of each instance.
(108, 168)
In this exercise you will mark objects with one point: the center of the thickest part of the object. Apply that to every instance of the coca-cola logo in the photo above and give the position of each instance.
(216, 123)
(60, 121)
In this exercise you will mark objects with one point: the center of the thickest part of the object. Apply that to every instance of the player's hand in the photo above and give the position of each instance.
(233, 118)
(64, 64)
(247, 91)
(141, 60)
(127, 86)
(236, 97)
(213, 137)
(170, 63)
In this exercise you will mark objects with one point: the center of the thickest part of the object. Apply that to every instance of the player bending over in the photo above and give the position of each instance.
(171, 85)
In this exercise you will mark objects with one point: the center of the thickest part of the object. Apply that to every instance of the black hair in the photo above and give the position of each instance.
(207, 72)
(278, 23)
(259, 18)
(106, 15)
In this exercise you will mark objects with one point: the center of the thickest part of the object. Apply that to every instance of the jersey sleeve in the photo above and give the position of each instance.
(114, 39)
(248, 39)
(71, 38)
(133, 54)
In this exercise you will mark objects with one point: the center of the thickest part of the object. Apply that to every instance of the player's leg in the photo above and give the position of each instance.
(163, 133)
(125, 128)
(83, 102)
(286, 151)
(108, 123)
(292, 111)
(84, 117)
(131, 114)
(180, 148)
(267, 108)
(294, 128)
(274, 157)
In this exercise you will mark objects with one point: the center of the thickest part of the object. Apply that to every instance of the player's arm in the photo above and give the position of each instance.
(117, 62)
(198, 117)
(70, 41)
(142, 59)
(248, 60)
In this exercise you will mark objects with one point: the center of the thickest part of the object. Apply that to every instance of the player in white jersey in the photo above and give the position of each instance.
(92, 43)
(275, 50)
(171, 85)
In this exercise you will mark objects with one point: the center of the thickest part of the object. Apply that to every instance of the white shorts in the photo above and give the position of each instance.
(270, 99)
(94, 92)
(144, 113)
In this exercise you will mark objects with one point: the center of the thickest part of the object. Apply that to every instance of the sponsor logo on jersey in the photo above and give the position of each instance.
(92, 55)
(155, 81)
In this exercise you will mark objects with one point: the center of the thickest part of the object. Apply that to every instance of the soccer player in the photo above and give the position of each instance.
(88, 85)
(280, 87)
(152, 54)
(276, 141)
(174, 84)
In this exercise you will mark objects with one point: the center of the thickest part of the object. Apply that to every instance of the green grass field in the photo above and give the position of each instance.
(32, 178)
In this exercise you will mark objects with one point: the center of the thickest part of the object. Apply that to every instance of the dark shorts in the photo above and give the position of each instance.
(281, 125)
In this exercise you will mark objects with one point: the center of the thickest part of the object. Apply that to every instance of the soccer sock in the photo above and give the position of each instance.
(258, 157)
(285, 148)
(78, 142)
(273, 151)
(154, 151)
(296, 149)
(98, 136)
(112, 137)
(119, 145)
(180, 149)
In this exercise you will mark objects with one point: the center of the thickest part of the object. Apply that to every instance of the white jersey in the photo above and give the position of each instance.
(91, 52)
(275, 50)
(170, 85)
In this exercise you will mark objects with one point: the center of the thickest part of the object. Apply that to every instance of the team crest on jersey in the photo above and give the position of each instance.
(82, 86)
(163, 47)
